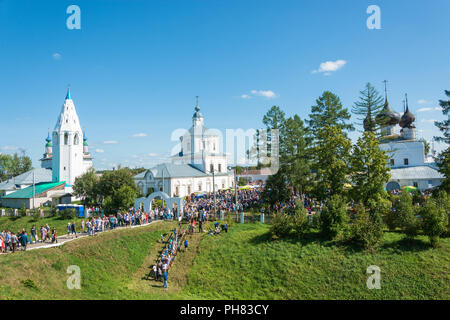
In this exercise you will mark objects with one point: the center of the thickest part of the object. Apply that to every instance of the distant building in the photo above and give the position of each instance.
(66, 157)
(192, 169)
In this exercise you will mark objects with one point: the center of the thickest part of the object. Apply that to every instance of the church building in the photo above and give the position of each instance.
(196, 168)
(409, 164)
(66, 157)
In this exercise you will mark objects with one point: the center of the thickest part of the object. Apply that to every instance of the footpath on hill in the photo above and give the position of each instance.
(143, 280)
(64, 239)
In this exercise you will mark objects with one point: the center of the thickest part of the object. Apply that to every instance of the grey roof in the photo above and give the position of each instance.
(417, 172)
(40, 175)
(171, 170)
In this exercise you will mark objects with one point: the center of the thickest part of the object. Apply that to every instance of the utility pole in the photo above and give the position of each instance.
(34, 189)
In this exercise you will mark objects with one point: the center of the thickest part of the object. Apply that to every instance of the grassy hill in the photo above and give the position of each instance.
(245, 264)
(240, 264)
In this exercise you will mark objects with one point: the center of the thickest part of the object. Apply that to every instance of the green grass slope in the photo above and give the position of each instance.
(107, 263)
(245, 264)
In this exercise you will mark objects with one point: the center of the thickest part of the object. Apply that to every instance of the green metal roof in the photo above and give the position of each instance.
(27, 193)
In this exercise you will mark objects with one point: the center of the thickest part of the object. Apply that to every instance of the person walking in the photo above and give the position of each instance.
(73, 229)
(24, 241)
(155, 272)
(165, 278)
(68, 229)
(185, 244)
(13, 242)
(54, 237)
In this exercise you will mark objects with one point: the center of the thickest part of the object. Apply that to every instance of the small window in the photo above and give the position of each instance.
(76, 139)
(220, 167)
(406, 161)
(211, 167)
(392, 162)
(66, 138)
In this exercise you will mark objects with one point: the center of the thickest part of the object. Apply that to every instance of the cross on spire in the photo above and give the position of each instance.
(385, 88)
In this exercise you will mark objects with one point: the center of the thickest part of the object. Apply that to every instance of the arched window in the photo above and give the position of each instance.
(220, 167)
(211, 167)
(76, 139)
(66, 138)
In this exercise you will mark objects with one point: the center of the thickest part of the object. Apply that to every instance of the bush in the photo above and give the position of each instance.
(36, 215)
(23, 211)
(281, 225)
(300, 221)
(434, 221)
(367, 228)
(67, 214)
(334, 218)
(405, 215)
(443, 202)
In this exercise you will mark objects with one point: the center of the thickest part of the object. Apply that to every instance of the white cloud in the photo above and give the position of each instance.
(139, 135)
(424, 109)
(99, 150)
(56, 56)
(110, 142)
(10, 148)
(428, 120)
(245, 96)
(264, 93)
(330, 66)
(153, 154)
(423, 101)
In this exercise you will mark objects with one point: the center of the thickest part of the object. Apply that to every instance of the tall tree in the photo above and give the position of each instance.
(330, 162)
(85, 187)
(331, 147)
(273, 119)
(444, 156)
(294, 152)
(369, 170)
(367, 107)
(329, 111)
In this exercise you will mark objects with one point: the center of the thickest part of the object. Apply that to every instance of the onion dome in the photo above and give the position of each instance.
(85, 140)
(197, 113)
(407, 118)
(387, 116)
(49, 141)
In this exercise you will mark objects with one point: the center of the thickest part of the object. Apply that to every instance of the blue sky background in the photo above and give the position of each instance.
(136, 66)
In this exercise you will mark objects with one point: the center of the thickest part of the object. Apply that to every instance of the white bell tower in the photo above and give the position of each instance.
(67, 162)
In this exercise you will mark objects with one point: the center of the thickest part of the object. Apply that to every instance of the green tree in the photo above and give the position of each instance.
(86, 187)
(300, 220)
(442, 199)
(334, 218)
(113, 180)
(434, 221)
(329, 112)
(281, 225)
(443, 160)
(366, 230)
(369, 170)
(330, 163)
(369, 104)
(406, 218)
(295, 154)
(276, 189)
(14, 165)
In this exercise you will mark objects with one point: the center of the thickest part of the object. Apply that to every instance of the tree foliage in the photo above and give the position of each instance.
(444, 157)
(85, 187)
(369, 170)
(14, 165)
(369, 104)
(434, 220)
(334, 218)
(406, 219)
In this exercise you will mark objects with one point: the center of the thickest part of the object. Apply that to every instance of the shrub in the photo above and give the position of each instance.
(405, 215)
(334, 218)
(434, 221)
(281, 225)
(443, 202)
(367, 228)
(300, 221)
(68, 213)
(23, 211)
(36, 215)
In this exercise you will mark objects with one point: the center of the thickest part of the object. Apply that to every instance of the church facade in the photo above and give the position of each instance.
(198, 167)
(66, 157)
(409, 164)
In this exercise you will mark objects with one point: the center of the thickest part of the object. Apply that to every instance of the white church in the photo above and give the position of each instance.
(198, 167)
(410, 166)
(66, 157)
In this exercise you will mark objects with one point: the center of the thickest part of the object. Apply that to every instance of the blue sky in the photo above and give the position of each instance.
(135, 67)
